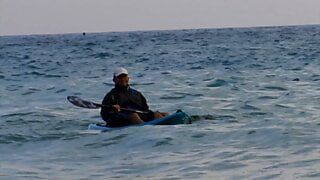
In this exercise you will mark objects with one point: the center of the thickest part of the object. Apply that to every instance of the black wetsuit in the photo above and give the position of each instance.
(126, 97)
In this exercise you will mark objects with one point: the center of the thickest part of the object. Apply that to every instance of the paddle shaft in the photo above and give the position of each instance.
(92, 105)
(124, 109)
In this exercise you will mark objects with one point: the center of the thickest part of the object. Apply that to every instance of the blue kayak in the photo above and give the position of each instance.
(178, 117)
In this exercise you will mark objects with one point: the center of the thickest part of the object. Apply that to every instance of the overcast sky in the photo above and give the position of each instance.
(76, 16)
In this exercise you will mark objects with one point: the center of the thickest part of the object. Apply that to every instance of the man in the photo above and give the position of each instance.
(123, 96)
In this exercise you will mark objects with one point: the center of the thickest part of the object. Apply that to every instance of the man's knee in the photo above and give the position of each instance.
(160, 114)
(134, 118)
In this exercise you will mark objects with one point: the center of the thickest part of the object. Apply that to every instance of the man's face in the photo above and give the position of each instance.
(122, 80)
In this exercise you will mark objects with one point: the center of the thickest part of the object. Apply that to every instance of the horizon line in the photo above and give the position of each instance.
(169, 29)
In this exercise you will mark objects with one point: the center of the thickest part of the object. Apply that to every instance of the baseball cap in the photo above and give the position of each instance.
(119, 71)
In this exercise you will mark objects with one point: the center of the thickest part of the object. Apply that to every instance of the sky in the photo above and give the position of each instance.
(24, 17)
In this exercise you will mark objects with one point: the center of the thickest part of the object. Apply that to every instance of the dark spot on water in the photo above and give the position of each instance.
(92, 77)
(208, 79)
(155, 68)
(196, 95)
(163, 53)
(100, 144)
(188, 94)
(90, 44)
(227, 63)
(111, 40)
(30, 62)
(257, 114)
(140, 75)
(59, 64)
(142, 60)
(277, 88)
(196, 67)
(255, 65)
(270, 75)
(249, 107)
(316, 77)
(61, 90)
(173, 97)
(33, 67)
(200, 135)
(272, 176)
(141, 84)
(124, 53)
(197, 53)
(166, 141)
(50, 88)
(190, 83)
(217, 83)
(27, 93)
(292, 53)
(296, 79)
(111, 84)
(119, 137)
(203, 117)
(87, 49)
(252, 132)
(34, 89)
(296, 69)
(35, 73)
(187, 40)
(103, 55)
(166, 72)
(54, 76)
(281, 106)
(226, 117)
(267, 97)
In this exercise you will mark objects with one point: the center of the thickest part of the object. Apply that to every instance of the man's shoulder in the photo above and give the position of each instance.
(112, 91)
(131, 90)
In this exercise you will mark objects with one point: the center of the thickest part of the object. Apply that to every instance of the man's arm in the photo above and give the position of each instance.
(108, 100)
(144, 104)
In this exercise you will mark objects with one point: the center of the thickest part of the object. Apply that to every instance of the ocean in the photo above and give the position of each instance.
(253, 94)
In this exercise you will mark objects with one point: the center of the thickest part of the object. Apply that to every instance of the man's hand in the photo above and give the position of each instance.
(116, 108)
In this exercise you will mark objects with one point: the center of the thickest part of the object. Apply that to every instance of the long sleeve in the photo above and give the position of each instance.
(108, 100)
(144, 104)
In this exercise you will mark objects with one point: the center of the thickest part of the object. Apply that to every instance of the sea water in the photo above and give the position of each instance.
(253, 93)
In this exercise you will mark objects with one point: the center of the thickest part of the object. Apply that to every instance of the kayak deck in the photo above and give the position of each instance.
(179, 117)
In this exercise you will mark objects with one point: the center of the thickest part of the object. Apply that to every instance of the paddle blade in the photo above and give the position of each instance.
(82, 103)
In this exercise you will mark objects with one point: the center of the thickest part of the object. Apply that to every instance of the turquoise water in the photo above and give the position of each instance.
(253, 93)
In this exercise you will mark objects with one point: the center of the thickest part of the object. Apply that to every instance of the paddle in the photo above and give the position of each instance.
(91, 105)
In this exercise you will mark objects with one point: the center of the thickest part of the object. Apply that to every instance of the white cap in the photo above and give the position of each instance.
(119, 71)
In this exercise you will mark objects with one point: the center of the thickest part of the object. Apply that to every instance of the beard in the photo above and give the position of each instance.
(122, 87)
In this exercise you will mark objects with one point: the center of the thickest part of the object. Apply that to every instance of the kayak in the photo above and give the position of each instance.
(178, 117)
